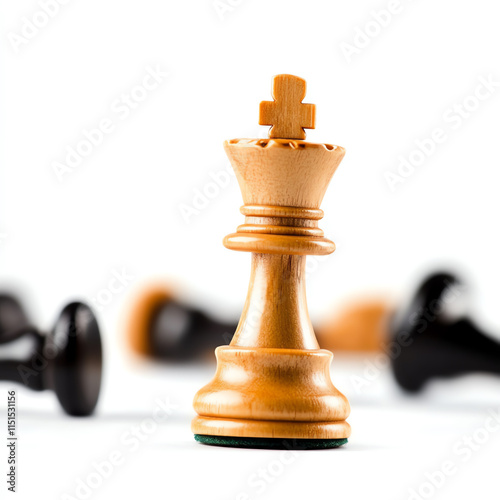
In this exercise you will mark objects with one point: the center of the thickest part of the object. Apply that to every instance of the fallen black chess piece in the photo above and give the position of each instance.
(68, 360)
(434, 344)
(164, 328)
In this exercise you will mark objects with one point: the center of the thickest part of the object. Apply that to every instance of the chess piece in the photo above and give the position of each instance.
(67, 361)
(433, 344)
(272, 387)
(358, 326)
(162, 327)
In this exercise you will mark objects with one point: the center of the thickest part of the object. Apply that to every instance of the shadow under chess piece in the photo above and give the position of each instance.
(161, 327)
(67, 361)
(433, 344)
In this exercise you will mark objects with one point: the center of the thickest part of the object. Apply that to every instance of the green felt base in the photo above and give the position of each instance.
(270, 443)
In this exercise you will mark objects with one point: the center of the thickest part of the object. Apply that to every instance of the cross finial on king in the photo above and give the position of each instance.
(287, 115)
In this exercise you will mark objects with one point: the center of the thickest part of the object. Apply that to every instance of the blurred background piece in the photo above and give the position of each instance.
(67, 361)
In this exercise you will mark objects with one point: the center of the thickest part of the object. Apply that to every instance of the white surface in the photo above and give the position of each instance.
(396, 440)
(120, 210)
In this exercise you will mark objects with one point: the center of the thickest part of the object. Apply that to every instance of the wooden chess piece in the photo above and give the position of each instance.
(67, 361)
(435, 345)
(272, 387)
(358, 326)
(161, 327)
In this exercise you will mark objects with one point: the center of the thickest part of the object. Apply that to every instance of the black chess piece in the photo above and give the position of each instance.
(182, 333)
(435, 345)
(164, 328)
(68, 360)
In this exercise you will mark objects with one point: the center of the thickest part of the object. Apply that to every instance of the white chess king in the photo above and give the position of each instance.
(272, 387)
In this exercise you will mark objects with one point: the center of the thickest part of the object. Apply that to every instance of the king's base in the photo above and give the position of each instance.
(269, 393)
(211, 430)
(270, 434)
(270, 443)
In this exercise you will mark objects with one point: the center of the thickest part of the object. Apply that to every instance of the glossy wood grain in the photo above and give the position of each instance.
(273, 380)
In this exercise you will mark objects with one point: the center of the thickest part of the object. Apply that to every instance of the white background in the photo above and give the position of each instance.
(120, 208)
